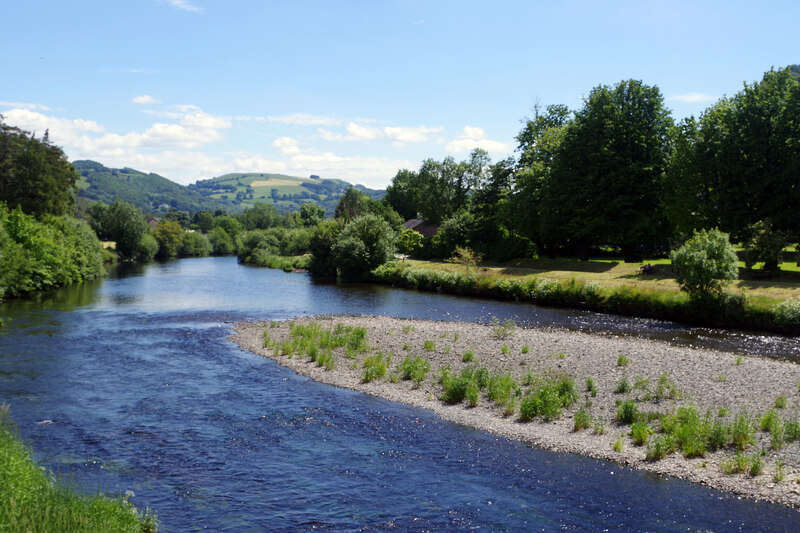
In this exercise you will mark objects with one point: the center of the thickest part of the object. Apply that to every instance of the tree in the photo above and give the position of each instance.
(605, 183)
(365, 243)
(35, 174)
(126, 226)
(322, 259)
(705, 264)
(169, 235)
(466, 257)
(311, 214)
(352, 204)
(745, 156)
(221, 242)
(764, 243)
(261, 216)
(409, 241)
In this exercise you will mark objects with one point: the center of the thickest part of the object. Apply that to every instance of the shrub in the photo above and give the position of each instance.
(787, 314)
(626, 412)
(705, 264)
(374, 367)
(501, 389)
(659, 447)
(504, 330)
(591, 387)
(742, 432)
(415, 369)
(582, 419)
(623, 386)
(640, 431)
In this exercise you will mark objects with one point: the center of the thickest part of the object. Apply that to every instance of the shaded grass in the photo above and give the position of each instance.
(653, 297)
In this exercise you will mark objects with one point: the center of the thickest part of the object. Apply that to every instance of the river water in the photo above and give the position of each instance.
(130, 383)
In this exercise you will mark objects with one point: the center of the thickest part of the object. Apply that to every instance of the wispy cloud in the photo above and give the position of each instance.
(399, 135)
(692, 98)
(305, 119)
(184, 5)
(145, 99)
(473, 137)
(22, 105)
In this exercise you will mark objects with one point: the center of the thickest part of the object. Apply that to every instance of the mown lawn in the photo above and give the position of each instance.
(610, 273)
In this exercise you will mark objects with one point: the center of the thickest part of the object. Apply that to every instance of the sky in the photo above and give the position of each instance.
(355, 90)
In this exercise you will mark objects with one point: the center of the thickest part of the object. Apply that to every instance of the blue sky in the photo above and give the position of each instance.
(355, 90)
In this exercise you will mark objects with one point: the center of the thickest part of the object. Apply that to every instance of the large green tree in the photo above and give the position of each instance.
(605, 183)
(35, 174)
(742, 162)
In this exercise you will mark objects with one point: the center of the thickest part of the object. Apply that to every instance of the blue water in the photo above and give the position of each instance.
(131, 384)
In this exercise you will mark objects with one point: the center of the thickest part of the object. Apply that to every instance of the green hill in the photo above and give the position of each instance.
(287, 193)
(149, 192)
(232, 192)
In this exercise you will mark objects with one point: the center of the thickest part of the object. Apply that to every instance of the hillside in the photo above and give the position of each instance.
(232, 192)
(287, 193)
(149, 192)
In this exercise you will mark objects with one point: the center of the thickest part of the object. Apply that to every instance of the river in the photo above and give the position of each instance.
(130, 383)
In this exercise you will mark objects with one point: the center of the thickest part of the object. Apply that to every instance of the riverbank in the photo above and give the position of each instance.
(595, 290)
(731, 394)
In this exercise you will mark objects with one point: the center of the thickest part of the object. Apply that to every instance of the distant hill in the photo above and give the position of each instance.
(232, 192)
(287, 193)
(149, 192)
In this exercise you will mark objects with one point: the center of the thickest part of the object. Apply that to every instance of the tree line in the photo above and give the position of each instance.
(621, 172)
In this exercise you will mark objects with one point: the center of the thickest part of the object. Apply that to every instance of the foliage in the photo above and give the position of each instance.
(466, 257)
(32, 501)
(787, 314)
(764, 243)
(322, 240)
(194, 244)
(604, 186)
(502, 330)
(36, 255)
(741, 163)
(415, 369)
(35, 174)
(705, 264)
(365, 243)
(409, 241)
(375, 367)
(125, 225)
(169, 235)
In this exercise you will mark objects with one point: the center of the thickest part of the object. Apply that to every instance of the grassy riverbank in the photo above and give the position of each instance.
(718, 418)
(32, 500)
(612, 287)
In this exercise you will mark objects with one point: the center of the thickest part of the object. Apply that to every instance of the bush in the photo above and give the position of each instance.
(705, 264)
(365, 243)
(787, 314)
(414, 369)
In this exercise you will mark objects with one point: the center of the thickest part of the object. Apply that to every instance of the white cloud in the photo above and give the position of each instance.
(362, 133)
(398, 134)
(184, 5)
(305, 119)
(145, 99)
(287, 145)
(22, 105)
(473, 137)
(692, 98)
(59, 127)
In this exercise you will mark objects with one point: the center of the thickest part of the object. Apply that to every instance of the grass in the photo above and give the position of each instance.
(780, 402)
(622, 361)
(468, 356)
(31, 500)
(502, 330)
(582, 419)
(591, 387)
(430, 346)
(610, 286)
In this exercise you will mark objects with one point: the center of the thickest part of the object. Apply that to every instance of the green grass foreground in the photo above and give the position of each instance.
(31, 500)
(610, 287)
